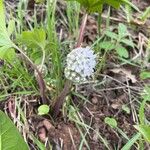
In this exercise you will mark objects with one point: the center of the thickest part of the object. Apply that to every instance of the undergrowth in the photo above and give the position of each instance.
(33, 53)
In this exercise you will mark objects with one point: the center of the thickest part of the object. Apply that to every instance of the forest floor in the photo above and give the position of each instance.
(116, 92)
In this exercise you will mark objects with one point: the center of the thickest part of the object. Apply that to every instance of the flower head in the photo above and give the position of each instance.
(80, 64)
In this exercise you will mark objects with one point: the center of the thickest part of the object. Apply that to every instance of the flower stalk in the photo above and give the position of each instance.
(68, 84)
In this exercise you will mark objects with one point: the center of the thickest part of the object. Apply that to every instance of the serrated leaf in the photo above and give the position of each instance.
(111, 122)
(144, 130)
(10, 138)
(122, 52)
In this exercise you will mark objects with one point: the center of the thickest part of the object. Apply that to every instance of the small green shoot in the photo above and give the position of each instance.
(118, 41)
(126, 109)
(111, 122)
(43, 110)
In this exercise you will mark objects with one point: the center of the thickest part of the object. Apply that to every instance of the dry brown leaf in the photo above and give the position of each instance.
(126, 72)
(116, 106)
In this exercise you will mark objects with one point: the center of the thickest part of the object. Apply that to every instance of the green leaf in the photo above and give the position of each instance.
(10, 138)
(111, 35)
(141, 112)
(127, 2)
(40, 1)
(34, 38)
(36, 56)
(2, 17)
(145, 75)
(122, 30)
(146, 94)
(122, 52)
(127, 42)
(43, 110)
(4, 37)
(111, 122)
(8, 54)
(114, 3)
(126, 109)
(40, 145)
(11, 27)
(146, 14)
(129, 144)
(97, 5)
(107, 45)
(144, 130)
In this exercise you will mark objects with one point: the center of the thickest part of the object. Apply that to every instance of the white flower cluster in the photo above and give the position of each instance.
(80, 64)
